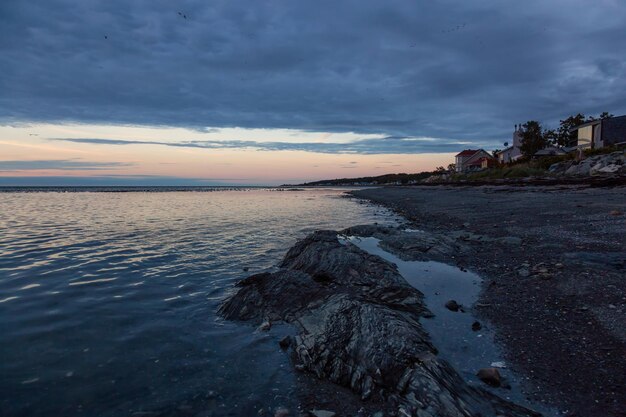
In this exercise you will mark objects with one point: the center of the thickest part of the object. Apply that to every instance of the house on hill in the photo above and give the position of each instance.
(602, 132)
(473, 159)
(514, 151)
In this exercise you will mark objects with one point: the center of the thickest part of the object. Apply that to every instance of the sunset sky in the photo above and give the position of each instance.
(269, 92)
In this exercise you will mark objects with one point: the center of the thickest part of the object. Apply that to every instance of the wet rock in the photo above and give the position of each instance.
(281, 412)
(511, 240)
(490, 376)
(265, 326)
(523, 272)
(285, 342)
(476, 326)
(360, 329)
(452, 305)
(414, 245)
(245, 269)
(323, 413)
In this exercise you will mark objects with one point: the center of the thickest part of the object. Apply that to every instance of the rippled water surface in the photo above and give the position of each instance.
(108, 299)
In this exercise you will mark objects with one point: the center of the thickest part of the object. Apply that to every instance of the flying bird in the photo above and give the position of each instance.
(183, 15)
(106, 37)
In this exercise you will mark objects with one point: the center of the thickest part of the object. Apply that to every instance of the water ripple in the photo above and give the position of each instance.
(108, 300)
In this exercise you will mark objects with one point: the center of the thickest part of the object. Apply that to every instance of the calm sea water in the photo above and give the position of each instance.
(108, 299)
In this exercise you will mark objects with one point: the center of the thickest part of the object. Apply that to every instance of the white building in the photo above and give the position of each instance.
(513, 152)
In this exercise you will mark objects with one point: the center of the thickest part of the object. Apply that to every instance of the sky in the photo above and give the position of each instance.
(254, 92)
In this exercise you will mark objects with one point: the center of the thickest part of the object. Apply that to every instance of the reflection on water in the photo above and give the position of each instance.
(108, 300)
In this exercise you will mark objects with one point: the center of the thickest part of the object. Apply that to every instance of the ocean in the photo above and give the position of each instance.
(108, 298)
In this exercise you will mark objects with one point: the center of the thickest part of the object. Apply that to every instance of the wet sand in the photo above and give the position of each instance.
(553, 261)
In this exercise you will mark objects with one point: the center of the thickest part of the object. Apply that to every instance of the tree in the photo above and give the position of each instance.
(563, 135)
(533, 138)
(452, 168)
(551, 137)
(566, 138)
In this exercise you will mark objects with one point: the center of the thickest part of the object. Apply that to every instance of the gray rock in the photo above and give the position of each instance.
(323, 413)
(490, 376)
(415, 245)
(358, 325)
(511, 240)
(285, 342)
(281, 412)
(452, 305)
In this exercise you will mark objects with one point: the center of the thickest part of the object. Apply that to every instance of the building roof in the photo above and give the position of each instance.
(504, 150)
(595, 122)
(589, 123)
(550, 150)
(467, 152)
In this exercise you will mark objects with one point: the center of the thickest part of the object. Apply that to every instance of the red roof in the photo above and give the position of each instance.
(468, 152)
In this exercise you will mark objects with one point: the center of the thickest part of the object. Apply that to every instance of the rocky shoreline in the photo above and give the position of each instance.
(553, 259)
(358, 326)
(554, 262)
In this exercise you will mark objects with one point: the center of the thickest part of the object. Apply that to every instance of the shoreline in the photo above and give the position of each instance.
(553, 262)
(358, 325)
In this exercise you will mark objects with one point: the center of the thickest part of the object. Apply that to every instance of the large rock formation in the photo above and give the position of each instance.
(605, 164)
(358, 324)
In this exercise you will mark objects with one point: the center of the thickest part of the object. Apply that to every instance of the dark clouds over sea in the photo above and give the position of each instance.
(451, 70)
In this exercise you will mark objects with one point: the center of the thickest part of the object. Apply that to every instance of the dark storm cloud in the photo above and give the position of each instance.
(444, 69)
(60, 164)
(387, 145)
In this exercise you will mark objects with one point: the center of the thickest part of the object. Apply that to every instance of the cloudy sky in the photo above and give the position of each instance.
(272, 91)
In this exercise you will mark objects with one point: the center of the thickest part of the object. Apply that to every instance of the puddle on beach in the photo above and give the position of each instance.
(451, 332)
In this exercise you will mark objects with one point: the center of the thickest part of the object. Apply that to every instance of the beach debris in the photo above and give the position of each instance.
(281, 412)
(245, 269)
(523, 272)
(476, 326)
(452, 305)
(265, 326)
(490, 376)
(323, 413)
(616, 213)
(285, 342)
(499, 364)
